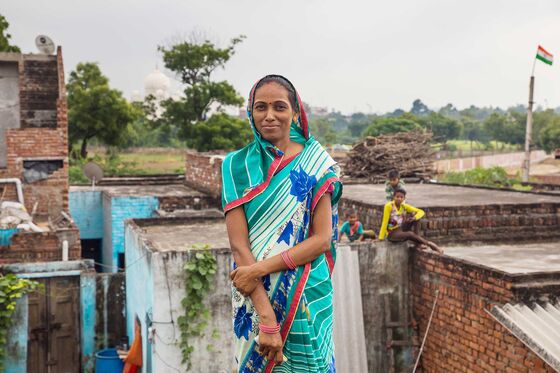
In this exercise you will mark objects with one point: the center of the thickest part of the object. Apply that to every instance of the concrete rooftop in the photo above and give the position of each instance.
(513, 259)
(433, 195)
(171, 190)
(181, 237)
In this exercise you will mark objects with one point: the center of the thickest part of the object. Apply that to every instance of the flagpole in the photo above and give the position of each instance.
(529, 128)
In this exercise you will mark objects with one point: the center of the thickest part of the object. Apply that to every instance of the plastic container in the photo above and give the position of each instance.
(6, 236)
(108, 361)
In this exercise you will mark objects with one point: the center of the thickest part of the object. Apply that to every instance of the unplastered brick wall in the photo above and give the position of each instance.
(486, 223)
(42, 135)
(203, 172)
(41, 247)
(463, 337)
(188, 203)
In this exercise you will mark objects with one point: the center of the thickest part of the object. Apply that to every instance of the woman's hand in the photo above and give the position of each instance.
(270, 346)
(245, 279)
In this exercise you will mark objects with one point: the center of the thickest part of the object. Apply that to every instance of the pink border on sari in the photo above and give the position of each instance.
(305, 275)
(259, 189)
(292, 312)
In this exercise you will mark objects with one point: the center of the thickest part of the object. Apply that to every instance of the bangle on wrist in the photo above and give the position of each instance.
(288, 260)
(269, 329)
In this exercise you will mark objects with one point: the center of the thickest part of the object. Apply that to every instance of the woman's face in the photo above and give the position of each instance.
(273, 113)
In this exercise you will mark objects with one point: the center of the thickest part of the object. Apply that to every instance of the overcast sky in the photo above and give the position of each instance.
(370, 56)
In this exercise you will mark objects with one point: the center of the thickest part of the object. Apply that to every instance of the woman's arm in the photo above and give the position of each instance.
(385, 221)
(302, 253)
(238, 233)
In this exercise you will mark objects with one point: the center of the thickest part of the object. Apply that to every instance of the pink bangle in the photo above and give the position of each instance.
(288, 260)
(269, 329)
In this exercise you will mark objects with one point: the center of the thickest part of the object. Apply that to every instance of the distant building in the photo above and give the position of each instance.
(319, 111)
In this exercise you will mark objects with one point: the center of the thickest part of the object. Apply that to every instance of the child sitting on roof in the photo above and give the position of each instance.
(393, 183)
(353, 229)
(400, 222)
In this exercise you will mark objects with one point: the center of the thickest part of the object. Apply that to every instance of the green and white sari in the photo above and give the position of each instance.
(279, 197)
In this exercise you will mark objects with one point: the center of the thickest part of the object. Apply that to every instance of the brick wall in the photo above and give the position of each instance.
(476, 223)
(43, 133)
(463, 337)
(203, 172)
(41, 247)
(188, 202)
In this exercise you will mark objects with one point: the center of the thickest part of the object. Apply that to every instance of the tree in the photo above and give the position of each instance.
(382, 126)
(419, 108)
(5, 45)
(449, 111)
(358, 123)
(443, 128)
(95, 110)
(194, 63)
(504, 128)
(322, 130)
(220, 132)
(550, 136)
(474, 131)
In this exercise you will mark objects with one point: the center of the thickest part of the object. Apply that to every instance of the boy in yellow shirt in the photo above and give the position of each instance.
(400, 222)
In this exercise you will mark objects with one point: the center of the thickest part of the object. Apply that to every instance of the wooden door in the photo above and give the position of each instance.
(54, 329)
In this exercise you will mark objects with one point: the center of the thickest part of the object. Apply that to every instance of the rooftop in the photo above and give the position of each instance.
(512, 259)
(182, 236)
(171, 190)
(433, 195)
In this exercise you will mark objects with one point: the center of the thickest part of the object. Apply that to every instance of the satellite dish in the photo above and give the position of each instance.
(93, 172)
(44, 44)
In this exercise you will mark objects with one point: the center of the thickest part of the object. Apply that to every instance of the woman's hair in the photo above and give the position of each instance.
(292, 95)
(399, 190)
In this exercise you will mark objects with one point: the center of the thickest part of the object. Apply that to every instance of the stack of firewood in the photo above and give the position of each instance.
(408, 152)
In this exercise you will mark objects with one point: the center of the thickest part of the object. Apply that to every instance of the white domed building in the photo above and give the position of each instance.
(157, 84)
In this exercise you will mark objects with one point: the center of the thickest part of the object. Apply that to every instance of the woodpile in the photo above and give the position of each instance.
(408, 152)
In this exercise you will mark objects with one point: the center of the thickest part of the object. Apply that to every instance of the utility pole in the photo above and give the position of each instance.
(529, 130)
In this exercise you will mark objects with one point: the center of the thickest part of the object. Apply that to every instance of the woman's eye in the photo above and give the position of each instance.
(280, 107)
(259, 107)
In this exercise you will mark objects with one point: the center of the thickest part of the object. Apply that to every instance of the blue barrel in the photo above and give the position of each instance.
(6, 236)
(108, 361)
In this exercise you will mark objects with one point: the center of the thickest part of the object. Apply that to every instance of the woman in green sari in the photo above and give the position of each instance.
(280, 197)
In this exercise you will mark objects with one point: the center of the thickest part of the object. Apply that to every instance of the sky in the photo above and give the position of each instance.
(369, 56)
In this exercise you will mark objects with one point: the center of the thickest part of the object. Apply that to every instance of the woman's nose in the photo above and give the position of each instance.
(269, 115)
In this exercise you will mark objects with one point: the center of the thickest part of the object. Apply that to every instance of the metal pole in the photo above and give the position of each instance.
(528, 132)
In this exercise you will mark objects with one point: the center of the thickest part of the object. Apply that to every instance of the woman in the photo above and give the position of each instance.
(280, 197)
(400, 222)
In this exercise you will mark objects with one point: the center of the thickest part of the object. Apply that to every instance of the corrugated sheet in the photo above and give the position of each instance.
(537, 326)
(349, 339)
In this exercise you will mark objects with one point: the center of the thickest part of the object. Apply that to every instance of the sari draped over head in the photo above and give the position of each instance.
(279, 197)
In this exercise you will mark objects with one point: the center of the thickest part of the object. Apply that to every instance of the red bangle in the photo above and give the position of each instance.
(269, 329)
(288, 260)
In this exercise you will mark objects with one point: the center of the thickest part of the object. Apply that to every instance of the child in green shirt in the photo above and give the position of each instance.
(393, 183)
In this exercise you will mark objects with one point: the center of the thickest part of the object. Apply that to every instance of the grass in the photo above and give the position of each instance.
(139, 162)
(465, 145)
(155, 163)
(493, 177)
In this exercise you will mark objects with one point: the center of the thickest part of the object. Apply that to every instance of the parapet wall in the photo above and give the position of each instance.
(41, 247)
(203, 172)
(486, 223)
(463, 337)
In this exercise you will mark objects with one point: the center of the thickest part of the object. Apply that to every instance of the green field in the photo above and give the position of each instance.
(139, 162)
(465, 145)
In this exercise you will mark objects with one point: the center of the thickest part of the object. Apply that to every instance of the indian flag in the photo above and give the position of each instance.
(544, 56)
